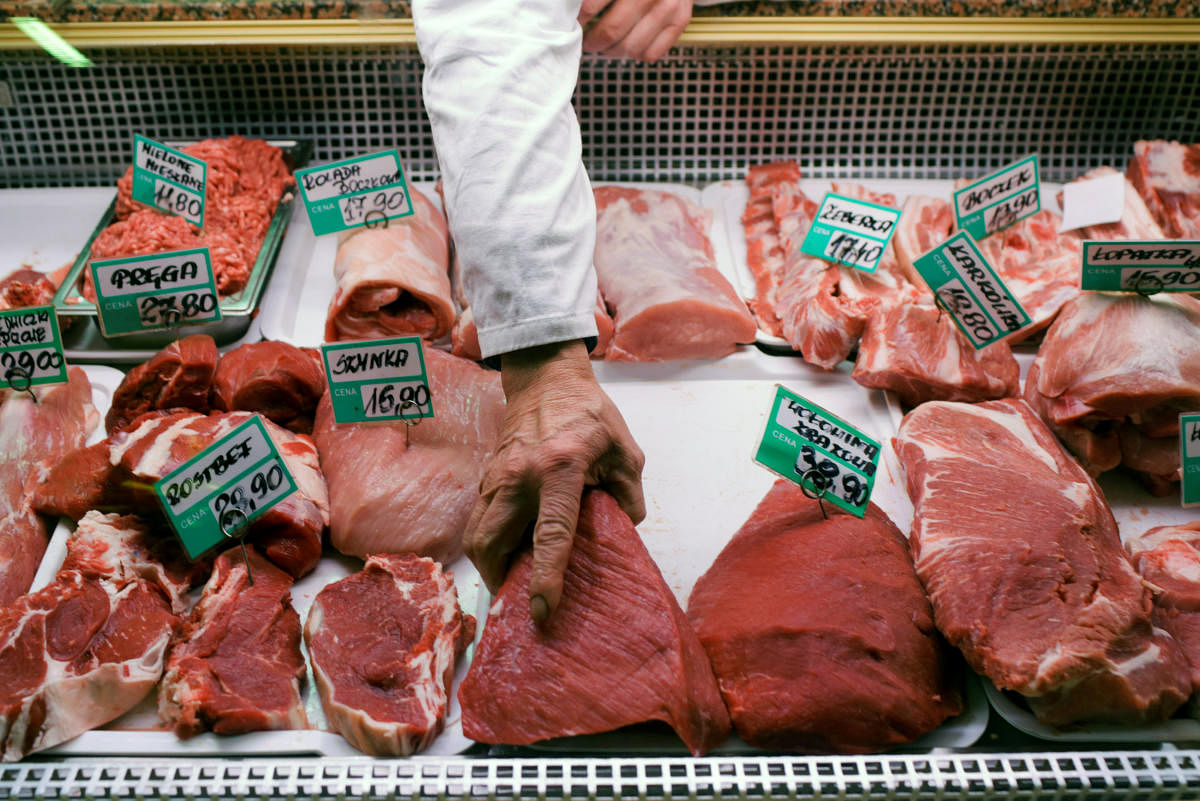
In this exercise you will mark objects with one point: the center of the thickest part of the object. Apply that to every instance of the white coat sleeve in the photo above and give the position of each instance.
(499, 75)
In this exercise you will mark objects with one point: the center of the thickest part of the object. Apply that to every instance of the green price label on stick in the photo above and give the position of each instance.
(1189, 445)
(211, 498)
(1143, 266)
(999, 200)
(31, 350)
(378, 380)
(169, 179)
(363, 191)
(851, 232)
(825, 455)
(151, 293)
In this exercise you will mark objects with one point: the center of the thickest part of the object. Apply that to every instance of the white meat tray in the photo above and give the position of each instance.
(135, 733)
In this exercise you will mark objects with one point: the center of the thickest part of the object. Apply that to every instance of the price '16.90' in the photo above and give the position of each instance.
(389, 400)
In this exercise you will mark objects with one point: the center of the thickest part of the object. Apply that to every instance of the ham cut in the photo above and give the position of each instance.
(617, 651)
(393, 280)
(119, 472)
(396, 488)
(235, 664)
(383, 644)
(89, 646)
(35, 436)
(658, 275)
(1020, 556)
(279, 381)
(832, 652)
(1168, 558)
(1167, 177)
(177, 377)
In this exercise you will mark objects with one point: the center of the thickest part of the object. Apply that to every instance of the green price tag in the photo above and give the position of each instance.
(967, 287)
(851, 232)
(169, 179)
(825, 455)
(150, 293)
(999, 200)
(31, 351)
(212, 497)
(1142, 266)
(1189, 445)
(382, 379)
(363, 191)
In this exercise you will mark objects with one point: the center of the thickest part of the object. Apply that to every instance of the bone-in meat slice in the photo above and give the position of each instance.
(1167, 176)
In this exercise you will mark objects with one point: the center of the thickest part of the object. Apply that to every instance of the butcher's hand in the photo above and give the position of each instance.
(641, 29)
(561, 432)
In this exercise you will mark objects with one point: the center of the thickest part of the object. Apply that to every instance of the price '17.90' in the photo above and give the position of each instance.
(387, 202)
(395, 400)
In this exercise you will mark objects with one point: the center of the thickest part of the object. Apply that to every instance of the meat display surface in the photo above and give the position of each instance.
(1167, 177)
(87, 647)
(618, 650)
(25, 287)
(35, 435)
(383, 644)
(833, 652)
(393, 280)
(177, 377)
(1111, 396)
(658, 276)
(1168, 557)
(393, 490)
(279, 381)
(235, 664)
(118, 473)
(1020, 555)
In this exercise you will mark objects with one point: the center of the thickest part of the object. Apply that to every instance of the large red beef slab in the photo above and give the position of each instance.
(1168, 557)
(33, 436)
(383, 644)
(279, 381)
(1167, 176)
(118, 474)
(834, 651)
(87, 647)
(1019, 553)
(177, 377)
(618, 650)
(235, 665)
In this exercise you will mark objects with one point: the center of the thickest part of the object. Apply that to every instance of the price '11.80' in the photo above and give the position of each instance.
(178, 201)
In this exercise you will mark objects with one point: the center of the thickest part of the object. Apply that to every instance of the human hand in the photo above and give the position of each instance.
(641, 29)
(560, 433)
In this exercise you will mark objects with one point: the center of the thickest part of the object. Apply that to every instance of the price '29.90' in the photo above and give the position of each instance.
(245, 496)
(31, 362)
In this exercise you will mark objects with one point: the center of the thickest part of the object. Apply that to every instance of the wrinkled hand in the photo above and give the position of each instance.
(641, 29)
(560, 433)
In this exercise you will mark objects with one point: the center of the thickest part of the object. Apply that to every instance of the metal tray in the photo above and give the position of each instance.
(237, 310)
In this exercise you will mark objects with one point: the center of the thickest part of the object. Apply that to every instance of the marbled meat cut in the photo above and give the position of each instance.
(833, 652)
(658, 275)
(35, 435)
(1167, 176)
(177, 377)
(118, 474)
(89, 646)
(279, 381)
(618, 650)
(235, 665)
(392, 491)
(1019, 553)
(393, 280)
(1112, 376)
(1168, 558)
(383, 644)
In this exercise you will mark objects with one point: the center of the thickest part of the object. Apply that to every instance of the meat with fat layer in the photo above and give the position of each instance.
(177, 377)
(279, 381)
(618, 650)
(1019, 553)
(1168, 558)
(383, 644)
(1167, 177)
(834, 651)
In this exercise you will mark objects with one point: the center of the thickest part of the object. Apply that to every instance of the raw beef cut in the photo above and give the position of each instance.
(279, 381)
(393, 280)
(659, 277)
(235, 665)
(618, 650)
(835, 651)
(1136, 220)
(1168, 558)
(1019, 553)
(392, 491)
(89, 646)
(177, 377)
(35, 436)
(118, 474)
(1112, 376)
(1167, 177)
(383, 644)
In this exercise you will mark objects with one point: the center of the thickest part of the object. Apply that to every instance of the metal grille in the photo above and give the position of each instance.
(700, 115)
(1099, 775)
